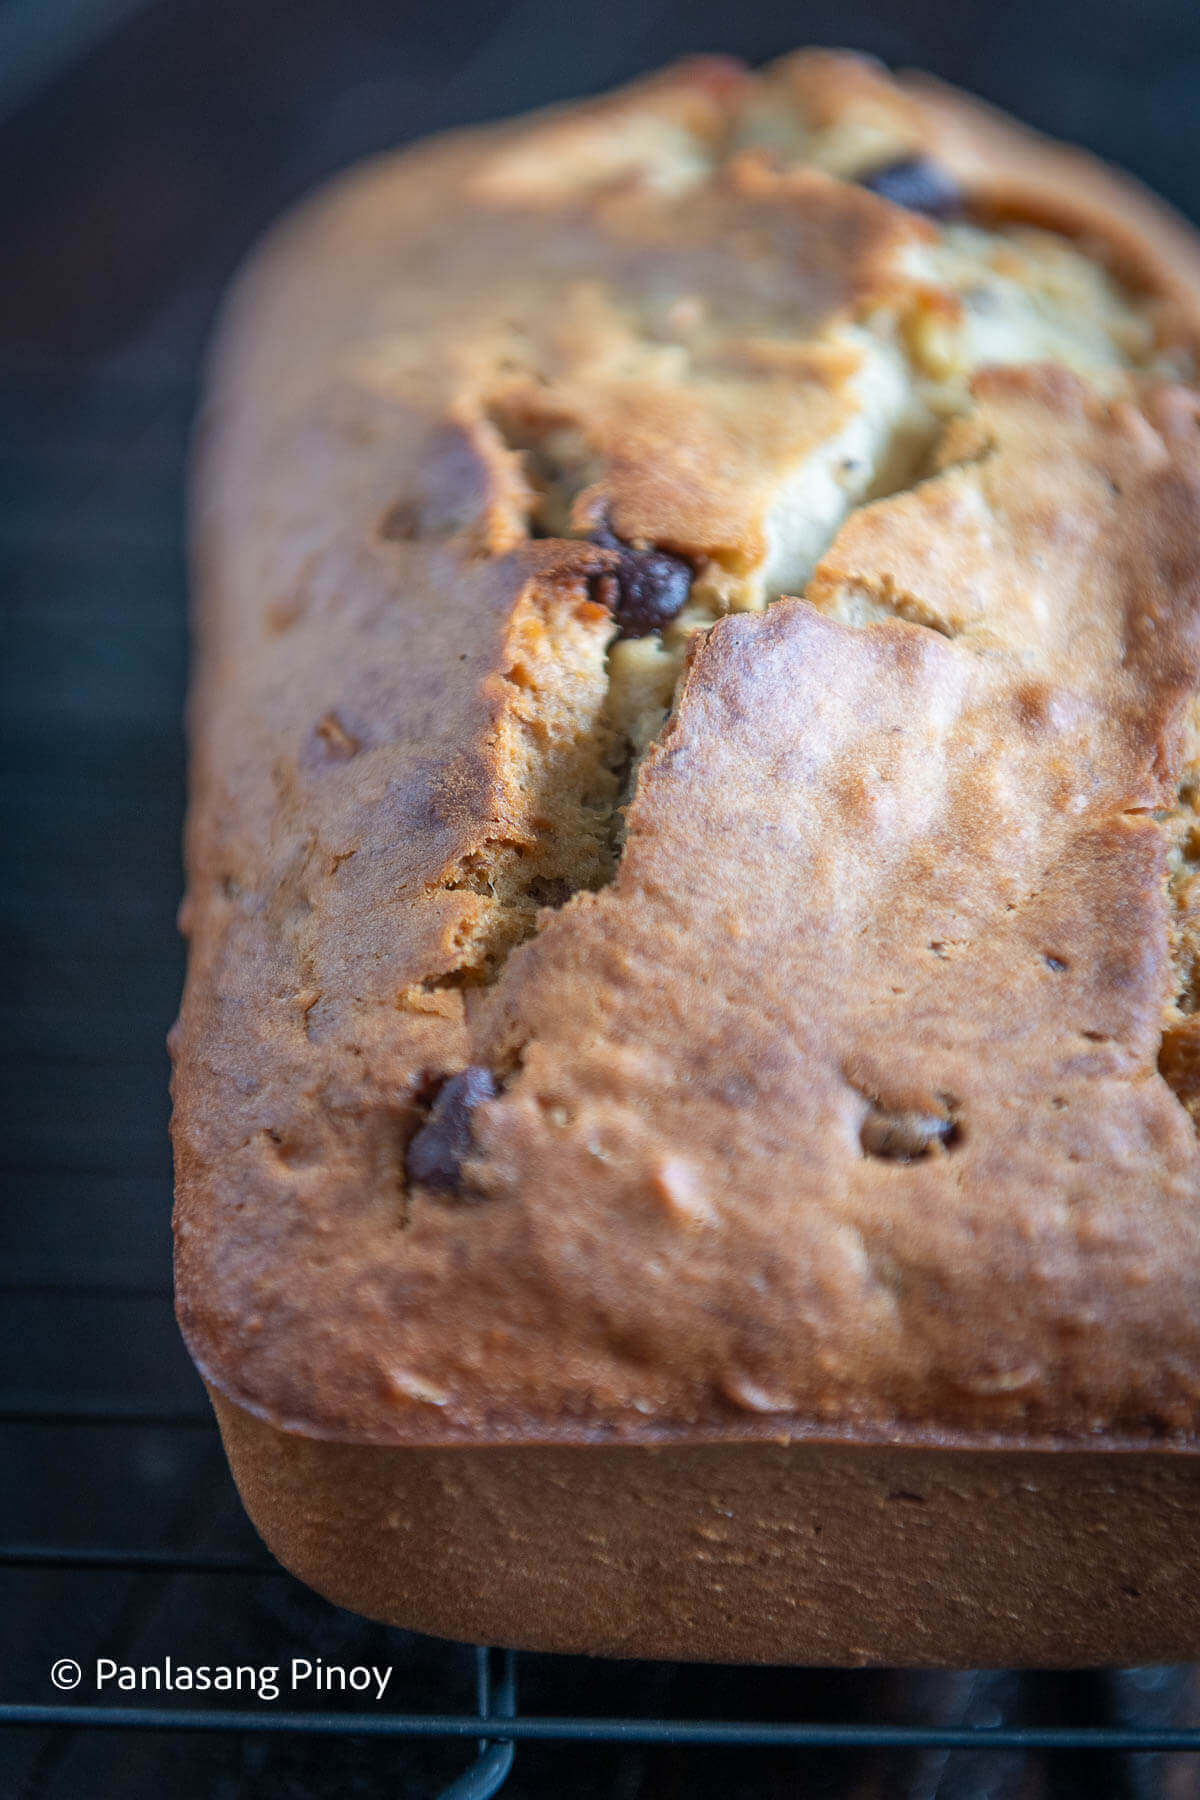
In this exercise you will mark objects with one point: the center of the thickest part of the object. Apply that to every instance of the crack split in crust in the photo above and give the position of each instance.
(565, 491)
(863, 463)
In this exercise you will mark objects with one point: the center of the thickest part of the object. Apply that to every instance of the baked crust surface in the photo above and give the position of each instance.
(828, 1093)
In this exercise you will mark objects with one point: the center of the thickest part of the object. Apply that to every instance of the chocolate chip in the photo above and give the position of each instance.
(919, 185)
(436, 1154)
(905, 1136)
(646, 589)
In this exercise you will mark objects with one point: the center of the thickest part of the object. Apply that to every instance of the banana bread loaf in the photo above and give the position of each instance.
(685, 1092)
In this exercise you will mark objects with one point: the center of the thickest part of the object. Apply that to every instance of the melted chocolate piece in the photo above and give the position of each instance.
(919, 185)
(646, 590)
(905, 1136)
(435, 1156)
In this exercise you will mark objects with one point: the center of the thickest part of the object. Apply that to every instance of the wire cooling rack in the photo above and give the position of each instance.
(497, 1725)
(118, 1525)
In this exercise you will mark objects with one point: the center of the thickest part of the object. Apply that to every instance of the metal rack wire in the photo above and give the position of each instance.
(497, 1724)
(51, 517)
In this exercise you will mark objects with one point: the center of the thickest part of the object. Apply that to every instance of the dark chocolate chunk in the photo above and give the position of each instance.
(919, 185)
(436, 1154)
(905, 1136)
(646, 589)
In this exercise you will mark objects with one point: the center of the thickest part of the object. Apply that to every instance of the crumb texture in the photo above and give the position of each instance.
(694, 855)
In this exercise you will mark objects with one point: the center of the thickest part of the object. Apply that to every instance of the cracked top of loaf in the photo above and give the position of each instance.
(696, 786)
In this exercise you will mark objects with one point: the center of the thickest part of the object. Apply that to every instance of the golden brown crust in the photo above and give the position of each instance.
(892, 880)
(1009, 170)
(1016, 173)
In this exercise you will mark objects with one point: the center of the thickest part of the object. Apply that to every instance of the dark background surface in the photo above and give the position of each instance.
(138, 163)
